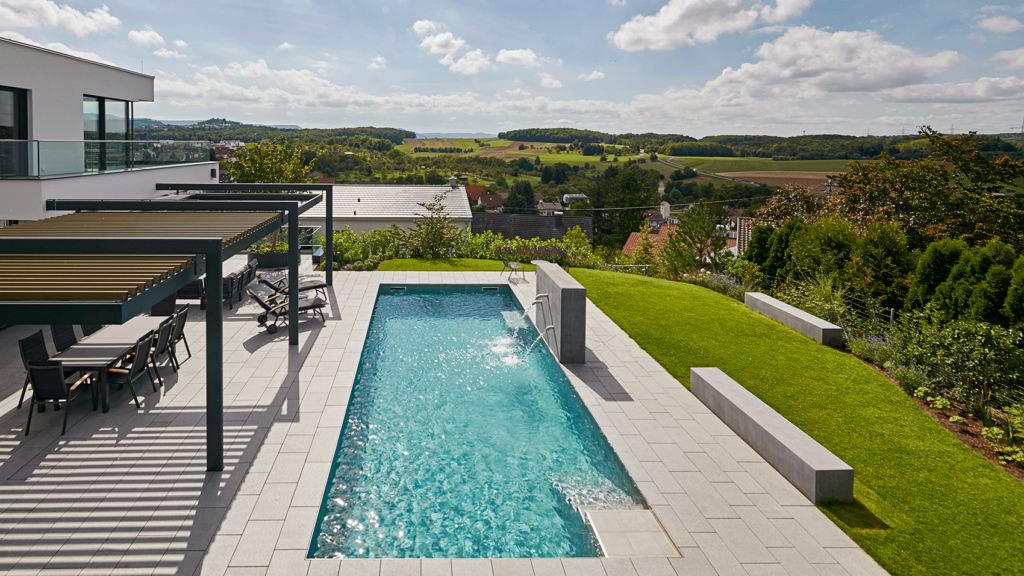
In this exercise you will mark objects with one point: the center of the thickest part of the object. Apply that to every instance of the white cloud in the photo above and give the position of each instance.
(56, 47)
(524, 57)
(595, 75)
(424, 27)
(46, 13)
(444, 43)
(784, 10)
(285, 46)
(617, 2)
(378, 63)
(687, 22)
(981, 90)
(471, 63)
(517, 92)
(806, 62)
(165, 53)
(180, 44)
(548, 82)
(147, 37)
(1014, 58)
(1001, 24)
(976, 37)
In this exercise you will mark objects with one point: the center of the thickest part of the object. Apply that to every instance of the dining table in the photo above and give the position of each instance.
(99, 352)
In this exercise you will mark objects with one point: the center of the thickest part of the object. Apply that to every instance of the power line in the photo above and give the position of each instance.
(670, 205)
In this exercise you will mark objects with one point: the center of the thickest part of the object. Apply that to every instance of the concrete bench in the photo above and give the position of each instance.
(565, 308)
(809, 466)
(809, 325)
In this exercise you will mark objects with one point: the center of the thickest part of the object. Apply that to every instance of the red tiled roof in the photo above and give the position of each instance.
(491, 200)
(660, 238)
(474, 193)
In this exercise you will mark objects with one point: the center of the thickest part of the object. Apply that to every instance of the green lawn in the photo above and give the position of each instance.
(719, 165)
(926, 504)
(446, 265)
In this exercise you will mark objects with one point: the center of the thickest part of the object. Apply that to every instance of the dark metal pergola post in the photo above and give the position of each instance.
(215, 364)
(293, 277)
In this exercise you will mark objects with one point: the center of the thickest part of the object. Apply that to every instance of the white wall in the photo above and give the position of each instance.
(56, 84)
(366, 225)
(26, 199)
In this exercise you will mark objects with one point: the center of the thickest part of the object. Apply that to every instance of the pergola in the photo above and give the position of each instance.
(108, 265)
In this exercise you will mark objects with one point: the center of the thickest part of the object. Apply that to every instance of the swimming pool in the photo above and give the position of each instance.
(460, 443)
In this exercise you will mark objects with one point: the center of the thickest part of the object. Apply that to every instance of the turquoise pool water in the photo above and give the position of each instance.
(460, 444)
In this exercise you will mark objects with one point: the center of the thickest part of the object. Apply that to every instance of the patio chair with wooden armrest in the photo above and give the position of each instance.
(281, 287)
(139, 364)
(512, 267)
(278, 308)
(49, 385)
(178, 335)
(63, 336)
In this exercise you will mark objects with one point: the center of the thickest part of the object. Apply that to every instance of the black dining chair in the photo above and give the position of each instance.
(138, 365)
(161, 346)
(63, 336)
(49, 385)
(33, 349)
(178, 335)
(90, 329)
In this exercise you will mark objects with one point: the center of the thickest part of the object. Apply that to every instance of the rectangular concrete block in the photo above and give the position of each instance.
(565, 308)
(809, 325)
(817, 473)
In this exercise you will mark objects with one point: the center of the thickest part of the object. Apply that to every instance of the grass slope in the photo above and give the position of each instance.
(445, 265)
(926, 504)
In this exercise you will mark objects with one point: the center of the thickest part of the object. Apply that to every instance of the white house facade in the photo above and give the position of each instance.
(66, 132)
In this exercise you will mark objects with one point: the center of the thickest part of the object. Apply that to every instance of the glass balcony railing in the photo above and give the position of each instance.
(43, 158)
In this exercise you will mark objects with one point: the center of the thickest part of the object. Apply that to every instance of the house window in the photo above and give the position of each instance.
(109, 122)
(13, 126)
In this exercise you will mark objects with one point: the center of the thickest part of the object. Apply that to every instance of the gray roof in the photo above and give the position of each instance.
(391, 202)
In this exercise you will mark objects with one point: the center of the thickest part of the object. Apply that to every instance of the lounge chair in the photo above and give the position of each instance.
(280, 287)
(512, 267)
(49, 385)
(277, 306)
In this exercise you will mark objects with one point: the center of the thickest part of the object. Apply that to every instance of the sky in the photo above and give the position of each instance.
(695, 67)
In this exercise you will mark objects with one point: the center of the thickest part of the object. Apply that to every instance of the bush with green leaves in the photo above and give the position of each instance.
(778, 247)
(932, 270)
(974, 363)
(1013, 306)
(977, 285)
(880, 265)
(821, 249)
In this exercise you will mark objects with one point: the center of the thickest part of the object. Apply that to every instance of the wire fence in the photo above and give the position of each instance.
(869, 329)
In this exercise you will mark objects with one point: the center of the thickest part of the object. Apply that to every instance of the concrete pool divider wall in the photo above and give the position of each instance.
(817, 473)
(811, 326)
(565, 308)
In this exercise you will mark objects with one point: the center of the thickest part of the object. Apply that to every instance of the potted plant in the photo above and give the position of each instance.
(270, 255)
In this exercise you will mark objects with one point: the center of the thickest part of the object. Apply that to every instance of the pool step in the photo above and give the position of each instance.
(630, 533)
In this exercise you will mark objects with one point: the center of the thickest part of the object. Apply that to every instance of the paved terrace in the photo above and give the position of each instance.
(127, 492)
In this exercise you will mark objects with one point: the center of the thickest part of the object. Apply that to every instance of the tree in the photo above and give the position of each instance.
(794, 202)
(631, 188)
(269, 162)
(881, 264)
(759, 245)
(932, 270)
(697, 241)
(520, 199)
(435, 234)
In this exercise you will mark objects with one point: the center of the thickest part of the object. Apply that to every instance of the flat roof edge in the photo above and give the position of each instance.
(80, 59)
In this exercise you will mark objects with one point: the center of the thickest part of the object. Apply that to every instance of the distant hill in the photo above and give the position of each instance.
(454, 135)
(217, 129)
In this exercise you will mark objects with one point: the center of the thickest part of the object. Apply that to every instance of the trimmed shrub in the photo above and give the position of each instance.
(933, 269)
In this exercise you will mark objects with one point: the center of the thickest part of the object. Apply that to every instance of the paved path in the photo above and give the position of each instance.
(127, 492)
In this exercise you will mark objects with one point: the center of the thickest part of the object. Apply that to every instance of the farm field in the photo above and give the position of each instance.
(720, 165)
(814, 181)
